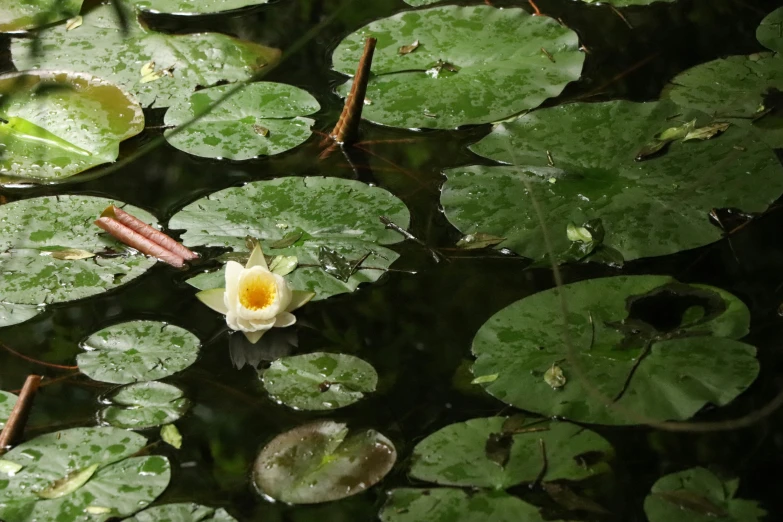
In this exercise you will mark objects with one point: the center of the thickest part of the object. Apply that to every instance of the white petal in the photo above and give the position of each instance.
(214, 299)
(284, 319)
(257, 258)
(298, 299)
(253, 337)
(233, 271)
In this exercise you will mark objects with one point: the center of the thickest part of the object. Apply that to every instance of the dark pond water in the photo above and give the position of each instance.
(415, 330)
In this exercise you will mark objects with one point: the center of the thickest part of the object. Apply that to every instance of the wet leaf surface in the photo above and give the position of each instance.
(171, 436)
(137, 351)
(122, 484)
(263, 119)
(17, 15)
(697, 495)
(642, 368)
(7, 401)
(319, 381)
(341, 215)
(470, 453)
(193, 7)
(145, 405)
(184, 512)
(479, 85)
(99, 47)
(321, 462)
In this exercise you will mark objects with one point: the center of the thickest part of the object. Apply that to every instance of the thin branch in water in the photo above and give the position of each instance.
(536, 10)
(139, 242)
(437, 256)
(347, 129)
(36, 361)
(544, 465)
(632, 372)
(623, 18)
(18, 418)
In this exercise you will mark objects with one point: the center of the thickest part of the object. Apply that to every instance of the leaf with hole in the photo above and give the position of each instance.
(321, 462)
(138, 351)
(70, 472)
(341, 215)
(231, 130)
(319, 381)
(144, 405)
(475, 64)
(100, 47)
(55, 124)
(627, 354)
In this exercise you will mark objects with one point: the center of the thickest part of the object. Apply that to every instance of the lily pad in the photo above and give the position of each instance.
(419, 3)
(145, 405)
(32, 229)
(137, 351)
(19, 15)
(339, 214)
(320, 462)
(265, 118)
(647, 208)
(193, 7)
(56, 124)
(319, 381)
(118, 486)
(452, 505)
(7, 401)
(473, 65)
(625, 3)
(638, 348)
(174, 64)
(184, 512)
(769, 33)
(488, 453)
(697, 495)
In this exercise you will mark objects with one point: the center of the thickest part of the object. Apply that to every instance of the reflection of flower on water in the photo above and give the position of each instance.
(274, 345)
(254, 300)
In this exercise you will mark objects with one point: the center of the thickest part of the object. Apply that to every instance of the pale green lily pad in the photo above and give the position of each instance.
(419, 3)
(193, 7)
(684, 366)
(137, 351)
(456, 505)
(181, 62)
(320, 462)
(122, 485)
(265, 118)
(11, 314)
(488, 453)
(697, 495)
(648, 208)
(56, 124)
(31, 229)
(145, 405)
(18, 15)
(473, 65)
(769, 32)
(336, 213)
(319, 381)
(7, 401)
(184, 512)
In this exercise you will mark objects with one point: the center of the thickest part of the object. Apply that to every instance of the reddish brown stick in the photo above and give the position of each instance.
(18, 418)
(139, 242)
(156, 236)
(347, 129)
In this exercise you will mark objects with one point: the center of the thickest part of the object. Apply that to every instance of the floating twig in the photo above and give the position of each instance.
(139, 242)
(346, 130)
(544, 465)
(18, 418)
(645, 352)
(407, 235)
(154, 235)
(36, 361)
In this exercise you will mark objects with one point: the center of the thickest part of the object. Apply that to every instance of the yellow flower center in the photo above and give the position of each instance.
(257, 292)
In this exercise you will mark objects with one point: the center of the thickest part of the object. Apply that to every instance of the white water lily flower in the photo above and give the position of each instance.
(254, 300)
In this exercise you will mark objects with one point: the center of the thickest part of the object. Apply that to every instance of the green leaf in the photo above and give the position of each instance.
(283, 265)
(17, 15)
(287, 240)
(185, 512)
(85, 120)
(341, 215)
(171, 435)
(10, 468)
(697, 495)
(319, 381)
(623, 363)
(7, 401)
(452, 505)
(193, 7)
(334, 264)
(68, 484)
(490, 50)
(479, 240)
(626, 3)
(232, 130)
(457, 454)
(317, 462)
(419, 3)
(100, 47)
(650, 208)
(769, 33)
(137, 351)
(121, 483)
(31, 229)
(145, 405)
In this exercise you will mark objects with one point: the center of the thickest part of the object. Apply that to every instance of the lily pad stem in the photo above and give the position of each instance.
(346, 131)
(18, 418)
(437, 256)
